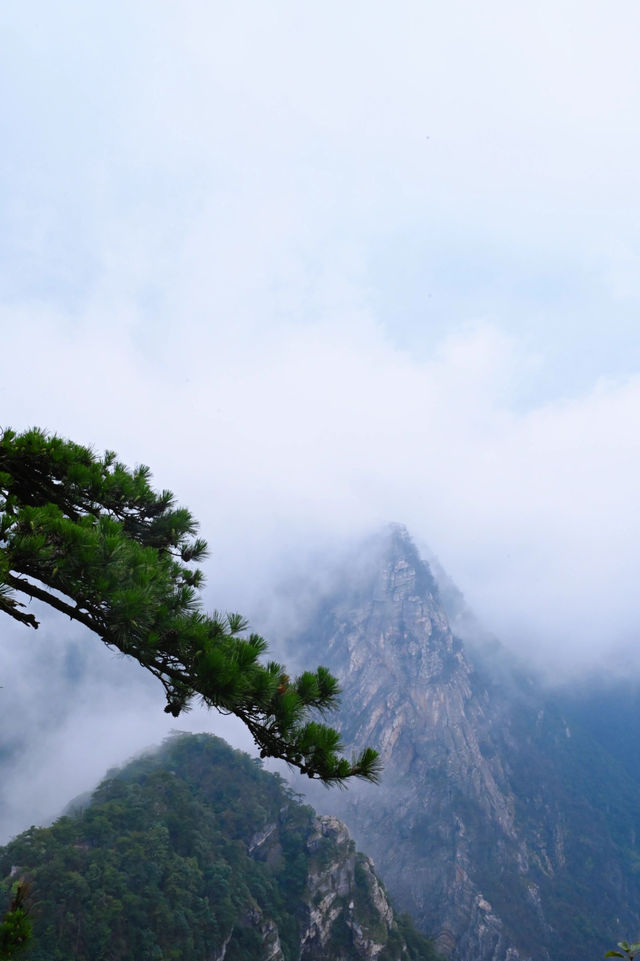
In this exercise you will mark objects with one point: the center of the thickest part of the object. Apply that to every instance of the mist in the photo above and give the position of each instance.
(322, 270)
(320, 436)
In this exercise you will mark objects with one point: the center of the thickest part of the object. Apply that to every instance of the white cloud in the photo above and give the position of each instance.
(324, 430)
(322, 268)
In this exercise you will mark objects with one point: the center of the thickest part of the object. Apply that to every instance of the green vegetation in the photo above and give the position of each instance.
(179, 853)
(91, 539)
(15, 926)
(628, 951)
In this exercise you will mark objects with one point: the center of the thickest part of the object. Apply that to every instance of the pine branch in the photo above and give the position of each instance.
(75, 613)
(10, 606)
(106, 550)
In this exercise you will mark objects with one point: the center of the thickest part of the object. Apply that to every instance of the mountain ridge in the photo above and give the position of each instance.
(193, 851)
(507, 833)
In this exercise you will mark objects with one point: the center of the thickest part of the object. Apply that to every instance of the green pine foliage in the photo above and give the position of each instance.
(181, 852)
(90, 538)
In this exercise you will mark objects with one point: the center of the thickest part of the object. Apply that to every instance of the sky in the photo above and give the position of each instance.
(323, 267)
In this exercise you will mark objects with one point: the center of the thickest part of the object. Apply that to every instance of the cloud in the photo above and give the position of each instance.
(326, 431)
(322, 269)
(69, 710)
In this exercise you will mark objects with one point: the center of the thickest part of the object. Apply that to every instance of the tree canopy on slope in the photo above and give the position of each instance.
(193, 852)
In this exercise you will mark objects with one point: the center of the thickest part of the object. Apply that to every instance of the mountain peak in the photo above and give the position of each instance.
(384, 632)
(406, 566)
(478, 828)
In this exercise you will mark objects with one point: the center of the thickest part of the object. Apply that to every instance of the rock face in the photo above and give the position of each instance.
(195, 853)
(343, 892)
(497, 826)
(345, 914)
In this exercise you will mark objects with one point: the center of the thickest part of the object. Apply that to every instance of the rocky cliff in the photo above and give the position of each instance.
(193, 852)
(503, 831)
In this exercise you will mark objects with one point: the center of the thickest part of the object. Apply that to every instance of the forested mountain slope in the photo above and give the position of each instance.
(194, 853)
(504, 829)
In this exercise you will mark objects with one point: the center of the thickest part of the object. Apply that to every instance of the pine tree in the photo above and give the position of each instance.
(92, 539)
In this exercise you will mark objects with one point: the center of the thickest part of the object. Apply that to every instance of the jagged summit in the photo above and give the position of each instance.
(478, 829)
(384, 632)
(404, 560)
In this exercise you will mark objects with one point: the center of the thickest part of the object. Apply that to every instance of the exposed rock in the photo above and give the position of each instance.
(474, 829)
(344, 897)
(271, 949)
